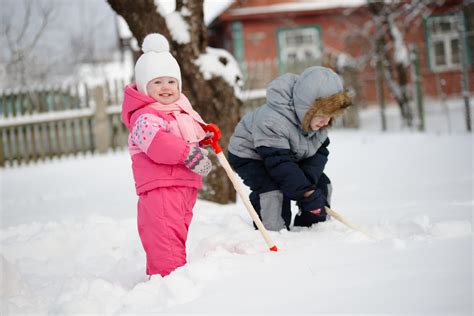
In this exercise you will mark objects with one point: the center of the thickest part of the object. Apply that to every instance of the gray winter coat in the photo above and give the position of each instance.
(277, 124)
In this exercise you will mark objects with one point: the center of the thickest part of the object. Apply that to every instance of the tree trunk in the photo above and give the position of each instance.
(350, 75)
(214, 99)
(395, 74)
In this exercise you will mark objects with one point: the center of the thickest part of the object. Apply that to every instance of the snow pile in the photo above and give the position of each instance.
(69, 242)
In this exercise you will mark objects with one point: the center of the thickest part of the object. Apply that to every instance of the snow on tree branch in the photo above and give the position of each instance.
(178, 27)
(218, 62)
(400, 49)
(175, 21)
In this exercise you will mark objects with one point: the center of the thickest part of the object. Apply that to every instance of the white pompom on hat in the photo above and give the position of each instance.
(156, 61)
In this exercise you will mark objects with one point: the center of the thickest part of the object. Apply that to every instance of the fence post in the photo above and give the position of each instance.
(101, 131)
(2, 156)
(463, 56)
(379, 83)
(416, 77)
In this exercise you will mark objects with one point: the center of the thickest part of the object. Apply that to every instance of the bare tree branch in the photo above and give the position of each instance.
(20, 44)
(27, 17)
(46, 13)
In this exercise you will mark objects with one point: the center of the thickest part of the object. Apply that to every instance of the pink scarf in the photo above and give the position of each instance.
(189, 121)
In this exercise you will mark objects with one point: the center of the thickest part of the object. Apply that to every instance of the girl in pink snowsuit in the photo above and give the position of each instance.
(167, 162)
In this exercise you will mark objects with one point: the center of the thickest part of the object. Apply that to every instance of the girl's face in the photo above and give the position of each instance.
(163, 89)
(319, 121)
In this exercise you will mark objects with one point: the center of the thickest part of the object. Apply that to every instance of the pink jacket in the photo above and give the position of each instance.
(157, 149)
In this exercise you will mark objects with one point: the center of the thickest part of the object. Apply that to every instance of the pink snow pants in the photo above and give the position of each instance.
(164, 215)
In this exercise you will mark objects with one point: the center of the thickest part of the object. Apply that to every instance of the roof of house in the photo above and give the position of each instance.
(254, 8)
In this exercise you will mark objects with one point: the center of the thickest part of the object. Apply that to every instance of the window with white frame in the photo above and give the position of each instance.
(443, 42)
(299, 45)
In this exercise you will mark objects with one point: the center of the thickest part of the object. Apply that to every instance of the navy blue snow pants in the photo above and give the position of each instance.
(256, 177)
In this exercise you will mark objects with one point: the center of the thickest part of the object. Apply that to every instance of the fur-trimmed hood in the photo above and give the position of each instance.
(318, 90)
(333, 106)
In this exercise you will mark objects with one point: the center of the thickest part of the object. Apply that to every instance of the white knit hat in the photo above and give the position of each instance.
(156, 61)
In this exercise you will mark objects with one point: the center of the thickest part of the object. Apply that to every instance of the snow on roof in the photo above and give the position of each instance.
(298, 6)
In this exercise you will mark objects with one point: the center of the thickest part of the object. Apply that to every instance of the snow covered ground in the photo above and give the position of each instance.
(69, 242)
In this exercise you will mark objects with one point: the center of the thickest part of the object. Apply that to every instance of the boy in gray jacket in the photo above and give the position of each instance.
(280, 149)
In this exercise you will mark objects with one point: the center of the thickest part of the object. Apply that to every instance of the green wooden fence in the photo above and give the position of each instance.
(43, 123)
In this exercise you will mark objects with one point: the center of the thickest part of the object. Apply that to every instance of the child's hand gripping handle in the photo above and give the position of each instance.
(213, 141)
